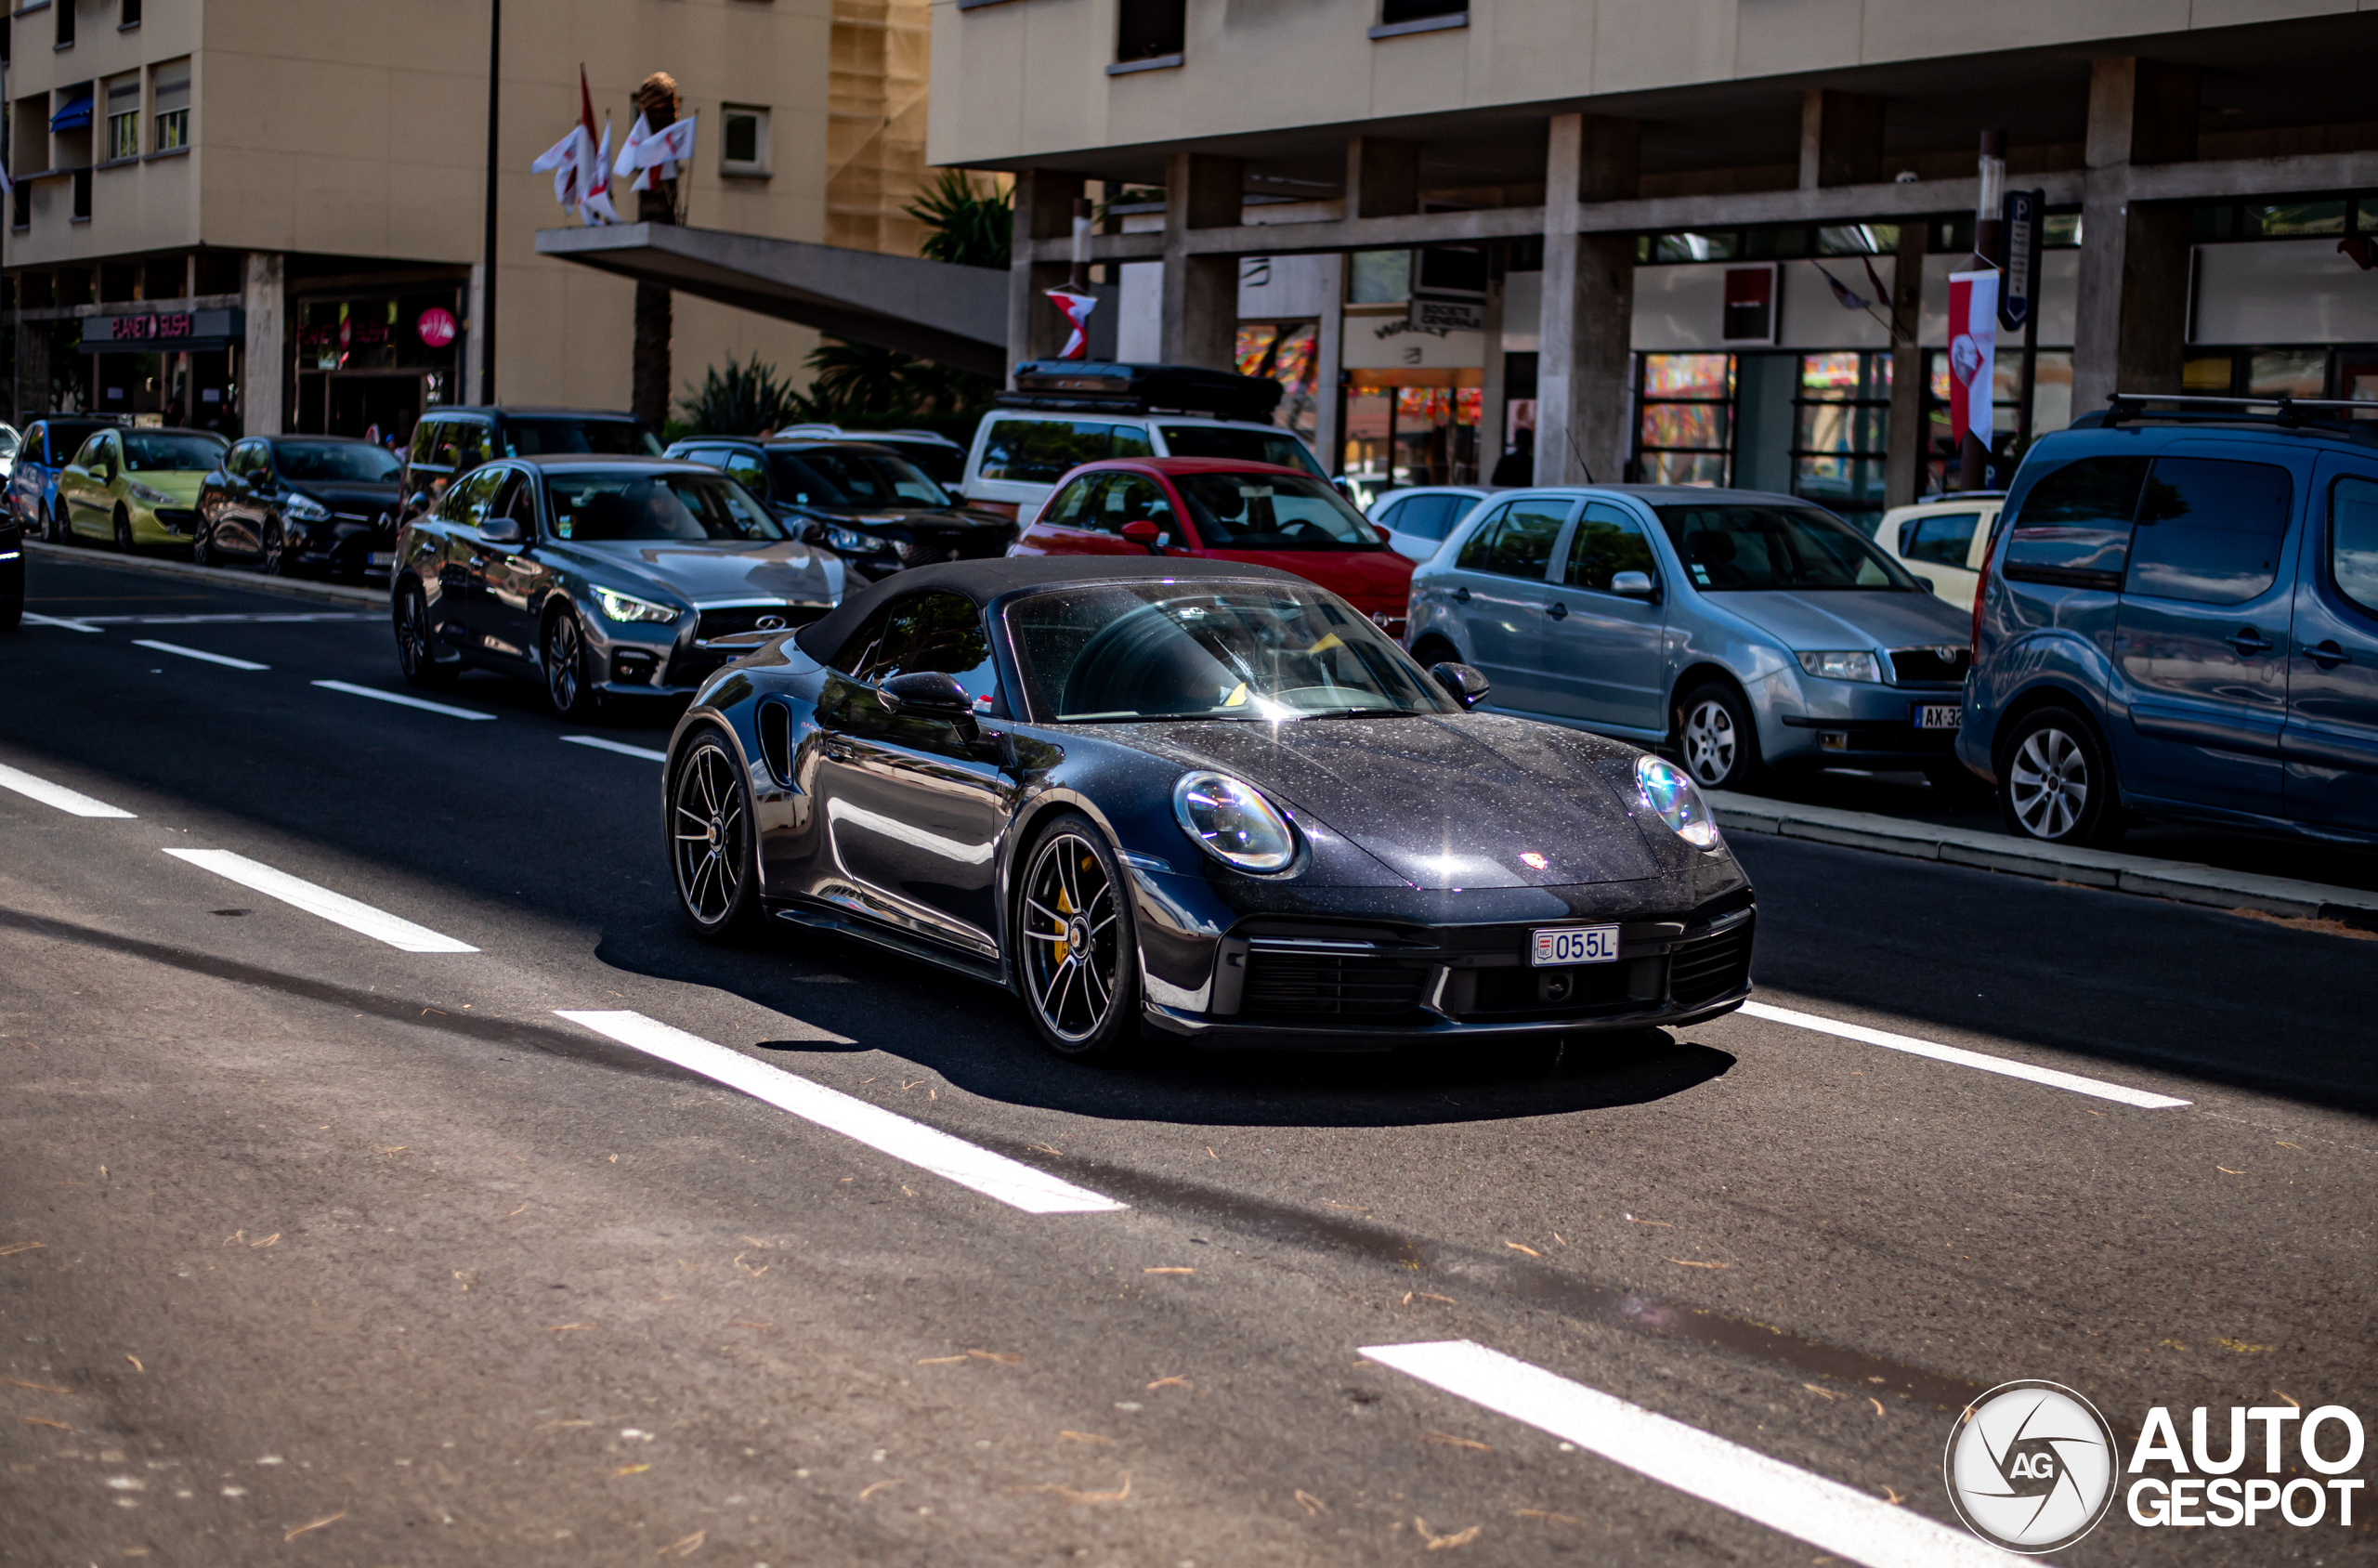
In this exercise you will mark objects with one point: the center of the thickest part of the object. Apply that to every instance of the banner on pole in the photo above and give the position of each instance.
(1973, 350)
(1077, 308)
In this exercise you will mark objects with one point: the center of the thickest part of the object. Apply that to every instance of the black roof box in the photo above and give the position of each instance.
(1104, 386)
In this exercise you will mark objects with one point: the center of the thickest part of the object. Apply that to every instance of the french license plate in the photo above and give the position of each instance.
(1939, 716)
(380, 558)
(1561, 945)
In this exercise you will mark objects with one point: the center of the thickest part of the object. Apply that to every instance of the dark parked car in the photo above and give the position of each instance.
(868, 504)
(449, 442)
(598, 576)
(293, 503)
(49, 444)
(2178, 618)
(12, 572)
(1203, 798)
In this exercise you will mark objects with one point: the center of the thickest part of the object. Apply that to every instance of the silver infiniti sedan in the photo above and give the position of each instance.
(1743, 629)
(599, 577)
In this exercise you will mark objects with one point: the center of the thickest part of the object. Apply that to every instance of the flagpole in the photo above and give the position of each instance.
(485, 326)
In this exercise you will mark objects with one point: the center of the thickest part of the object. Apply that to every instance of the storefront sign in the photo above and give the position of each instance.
(436, 326)
(1448, 315)
(1749, 305)
(163, 331)
(1380, 343)
(131, 329)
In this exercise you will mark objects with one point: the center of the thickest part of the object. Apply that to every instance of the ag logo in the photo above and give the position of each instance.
(2030, 1467)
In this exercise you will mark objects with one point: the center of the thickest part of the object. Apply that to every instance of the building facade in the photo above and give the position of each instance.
(1699, 240)
(267, 214)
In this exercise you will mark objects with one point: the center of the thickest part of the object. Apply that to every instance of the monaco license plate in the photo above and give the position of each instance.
(1574, 944)
(1939, 716)
(380, 558)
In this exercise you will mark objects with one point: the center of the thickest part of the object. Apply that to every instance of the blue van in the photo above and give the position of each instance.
(2178, 619)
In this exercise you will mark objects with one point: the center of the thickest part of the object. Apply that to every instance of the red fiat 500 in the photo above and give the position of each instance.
(1220, 510)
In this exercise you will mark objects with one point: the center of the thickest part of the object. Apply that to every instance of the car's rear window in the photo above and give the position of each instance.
(1041, 451)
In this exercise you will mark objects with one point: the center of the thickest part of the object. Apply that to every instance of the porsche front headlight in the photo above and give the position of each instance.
(1667, 792)
(1232, 822)
(623, 607)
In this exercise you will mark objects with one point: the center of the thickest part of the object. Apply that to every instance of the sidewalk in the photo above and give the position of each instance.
(2178, 880)
(222, 577)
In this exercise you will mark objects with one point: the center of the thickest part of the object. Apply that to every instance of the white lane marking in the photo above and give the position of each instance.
(402, 700)
(1012, 1181)
(337, 908)
(2117, 1093)
(32, 620)
(1825, 1513)
(258, 619)
(622, 747)
(58, 795)
(199, 653)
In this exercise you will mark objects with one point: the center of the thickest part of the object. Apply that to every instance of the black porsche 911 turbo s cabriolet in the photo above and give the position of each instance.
(1199, 799)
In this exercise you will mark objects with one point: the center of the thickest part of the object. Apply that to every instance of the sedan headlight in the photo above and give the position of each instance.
(623, 607)
(305, 509)
(1233, 821)
(852, 542)
(1667, 792)
(1847, 665)
(146, 496)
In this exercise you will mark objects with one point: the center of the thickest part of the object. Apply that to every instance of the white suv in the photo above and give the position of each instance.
(1943, 540)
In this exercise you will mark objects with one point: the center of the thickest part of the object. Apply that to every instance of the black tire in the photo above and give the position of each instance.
(2056, 781)
(123, 543)
(274, 561)
(568, 690)
(1084, 1007)
(202, 545)
(713, 860)
(417, 643)
(1716, 738)
(56, 526)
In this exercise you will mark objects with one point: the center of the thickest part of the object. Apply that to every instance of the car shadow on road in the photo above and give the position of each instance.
(976, 1037)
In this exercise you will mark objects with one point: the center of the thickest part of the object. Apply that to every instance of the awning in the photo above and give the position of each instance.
(954, 316)
(74, 115)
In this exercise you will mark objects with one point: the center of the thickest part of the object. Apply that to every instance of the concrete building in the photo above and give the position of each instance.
(1670, 239)
(266, 214)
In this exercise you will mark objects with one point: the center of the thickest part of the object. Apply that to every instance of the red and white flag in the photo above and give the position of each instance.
(1973, 350)
(561, 160)
(1077, 308)
(594, 162)
(665, 148)
(626, 168)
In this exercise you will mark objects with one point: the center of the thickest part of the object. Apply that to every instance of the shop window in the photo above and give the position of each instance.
(1858, 239)
(1150, 29)
(1685, 433)
(743, 141)
(2288, 220)
(1378, 277)
(169, 88)
(2209, 375)
(1841, 432)
(2287, 373)
(1695, 246)
(124, 118)
(1286, 352)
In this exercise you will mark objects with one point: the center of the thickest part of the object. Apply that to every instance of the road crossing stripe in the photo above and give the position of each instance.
(402, 700)
(337, 908)
(1011, 1182)
(58, 795)
(32, 620)
(1837, 1519)
(622, 747)
(198, 653)
(1913, 1047)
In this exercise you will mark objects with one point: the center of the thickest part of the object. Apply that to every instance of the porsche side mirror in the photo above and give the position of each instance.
(1145, 533)
(931, 694)
(1467, 686)
(1631, 585)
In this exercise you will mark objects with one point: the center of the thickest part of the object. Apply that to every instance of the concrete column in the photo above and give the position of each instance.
(1582, 402)
(264, 363)
(1044, 210)
(1903, 465)
(1841, 139)
(1200, 323)
(2131, 315)
(1330, 368)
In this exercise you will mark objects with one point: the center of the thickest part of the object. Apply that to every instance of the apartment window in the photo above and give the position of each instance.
(1150, 29)
(1392, 12)
(65, 13)
(743, 145)
(124, 118)
(169, 87)
(20, 210)
(82, 194)
(131, 17)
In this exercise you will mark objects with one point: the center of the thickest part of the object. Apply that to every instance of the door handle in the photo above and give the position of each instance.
(2249, 641)
(1461, 594)
(1558, 611)
(839, 752)
(2328, 656)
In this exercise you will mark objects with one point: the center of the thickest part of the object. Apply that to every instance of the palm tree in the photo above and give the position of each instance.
(963, 227)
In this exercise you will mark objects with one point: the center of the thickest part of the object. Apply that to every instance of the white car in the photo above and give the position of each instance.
(1943, 540)
(937, 455)
(9, 441)
(1417, 519)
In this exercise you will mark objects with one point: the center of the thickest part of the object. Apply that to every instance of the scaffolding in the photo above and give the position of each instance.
(875, 147)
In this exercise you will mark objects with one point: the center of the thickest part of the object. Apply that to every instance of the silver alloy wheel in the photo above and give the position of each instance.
(2049, 783)
(202, 545)
(708, 834)
(562, 645)
(1709, 740)
(1072, 962)
(276, 547)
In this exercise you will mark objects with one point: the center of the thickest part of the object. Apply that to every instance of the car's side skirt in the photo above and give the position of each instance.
(827, 917)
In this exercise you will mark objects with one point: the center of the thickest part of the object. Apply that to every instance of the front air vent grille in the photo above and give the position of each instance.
(1319, 987)
(1711, 967)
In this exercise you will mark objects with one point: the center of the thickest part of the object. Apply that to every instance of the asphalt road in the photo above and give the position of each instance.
(316, 1248)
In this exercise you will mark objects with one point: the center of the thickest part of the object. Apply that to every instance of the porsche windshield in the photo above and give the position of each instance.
(1742, 545)
(590, 504)
(1120, 652)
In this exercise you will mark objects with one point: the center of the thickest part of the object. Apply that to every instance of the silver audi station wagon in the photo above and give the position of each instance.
(1747, 631)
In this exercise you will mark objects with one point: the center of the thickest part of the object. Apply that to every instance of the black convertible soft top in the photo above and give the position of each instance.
(985, 581)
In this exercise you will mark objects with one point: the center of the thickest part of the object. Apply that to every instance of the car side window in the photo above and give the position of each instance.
(1944, 539)
(1473, 549)
(746, 469)
(466, 499)
(1431, 517)
(89, 456)
(1131, 442)
(426, 436)
(1609, 541)
(1064, 508)
(2074, 526)
(1039, 451)
(934, 632)
(1131, 497)
(1519, 542)
(1388, 512)
(2353, 542)
(2210, 531)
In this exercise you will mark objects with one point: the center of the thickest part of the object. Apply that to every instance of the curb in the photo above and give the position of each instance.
(336, 593)
(2176, 879)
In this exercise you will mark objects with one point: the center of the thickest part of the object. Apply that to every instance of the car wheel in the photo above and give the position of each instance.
(571, 695)
(275, 560)
(58, 529)
(710, 839)
(416, 642)
(1079, 963)
(1716, 738)
(123, 530)
(201, 546)
(2056, 781)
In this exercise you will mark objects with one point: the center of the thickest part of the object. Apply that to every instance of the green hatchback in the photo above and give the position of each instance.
(138, 487)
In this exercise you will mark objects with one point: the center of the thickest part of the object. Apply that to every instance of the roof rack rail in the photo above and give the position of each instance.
(2288, 412)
